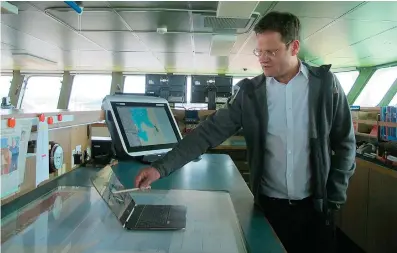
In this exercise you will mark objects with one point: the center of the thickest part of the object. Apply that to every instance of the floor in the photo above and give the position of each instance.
(346, 245)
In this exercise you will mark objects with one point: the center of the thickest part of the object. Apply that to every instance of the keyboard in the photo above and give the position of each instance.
(153, 217)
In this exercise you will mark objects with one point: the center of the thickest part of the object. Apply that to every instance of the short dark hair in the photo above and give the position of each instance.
(287, 24)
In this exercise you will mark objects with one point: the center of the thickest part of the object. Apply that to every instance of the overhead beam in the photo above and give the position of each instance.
(66, 90)
(362, 79)
(389, 94)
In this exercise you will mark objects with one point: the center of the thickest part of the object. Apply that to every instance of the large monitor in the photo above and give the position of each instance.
(142, 125)
(211, 89)
(170, 87)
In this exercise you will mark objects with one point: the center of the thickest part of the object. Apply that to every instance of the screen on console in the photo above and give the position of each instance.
(106, 183)
(145, 125)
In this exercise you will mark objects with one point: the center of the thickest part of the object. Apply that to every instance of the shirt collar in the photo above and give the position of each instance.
(302, 70)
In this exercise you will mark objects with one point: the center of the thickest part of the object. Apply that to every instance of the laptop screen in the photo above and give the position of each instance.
(121, 204)
(146, 126)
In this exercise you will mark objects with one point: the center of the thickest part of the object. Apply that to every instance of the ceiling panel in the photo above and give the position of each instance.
(247, 45)
(211, 64)
(375, 11)
(335, 61)
(202, 43)
(181, 62)
(139, 60)
(312, 25)
(99, 59)
(241, 62)
(22, 6)
(150, 21)
(116, 41)
(316, 9)
(342, 34)
(371, 61)
(24, 61)
(42, 27)
(43, 5)
(309, 26)
(91, 20)
(29, 44)
(6, 60)
(382, 45)
(171, 43)
(203, 5)
(5, 46)
(240, 42)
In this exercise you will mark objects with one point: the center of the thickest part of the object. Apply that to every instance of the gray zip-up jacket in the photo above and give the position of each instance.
(331, 129)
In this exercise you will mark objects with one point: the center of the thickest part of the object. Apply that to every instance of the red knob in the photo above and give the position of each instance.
(11, 122)
(50, 120)
(41, 117)
(59, 117)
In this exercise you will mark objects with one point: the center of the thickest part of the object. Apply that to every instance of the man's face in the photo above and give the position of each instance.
(274, 55)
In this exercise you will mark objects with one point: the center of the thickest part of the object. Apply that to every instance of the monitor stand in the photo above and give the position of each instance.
(211, 99)
(149, 159)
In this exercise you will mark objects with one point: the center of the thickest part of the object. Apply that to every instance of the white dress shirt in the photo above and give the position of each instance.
(287, 173)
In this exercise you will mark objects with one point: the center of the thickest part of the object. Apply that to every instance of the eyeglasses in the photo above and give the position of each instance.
(271, 54)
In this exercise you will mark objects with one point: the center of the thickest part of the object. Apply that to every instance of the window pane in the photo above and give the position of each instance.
(42, 93)
(394, 101)
(188, 105)
(5, 84)
(134, 84)
(377, 87)
(347, 79)
(88, 91)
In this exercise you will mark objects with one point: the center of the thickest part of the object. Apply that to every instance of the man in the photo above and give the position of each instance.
(293, 117)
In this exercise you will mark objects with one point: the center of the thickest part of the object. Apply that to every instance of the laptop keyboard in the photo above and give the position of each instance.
(153, 217)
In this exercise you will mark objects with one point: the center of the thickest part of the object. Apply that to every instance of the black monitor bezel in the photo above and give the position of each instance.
(115, 104)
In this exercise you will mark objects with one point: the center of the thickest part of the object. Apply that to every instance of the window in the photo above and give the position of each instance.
(377, 87)
(347, 79)
(5, 84)
(188, 105)
(42, 93)
(393, 102)
(134, 84)
(88, 91)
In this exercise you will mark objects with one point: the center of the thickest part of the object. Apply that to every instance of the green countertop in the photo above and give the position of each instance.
(212, 172)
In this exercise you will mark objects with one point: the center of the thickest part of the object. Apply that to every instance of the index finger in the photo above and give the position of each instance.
(138, 180)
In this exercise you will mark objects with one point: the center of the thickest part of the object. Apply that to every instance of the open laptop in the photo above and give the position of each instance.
(141, 127)
(131, 215)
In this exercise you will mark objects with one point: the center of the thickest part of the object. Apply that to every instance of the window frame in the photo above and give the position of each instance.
(376, 69)
(346, 71)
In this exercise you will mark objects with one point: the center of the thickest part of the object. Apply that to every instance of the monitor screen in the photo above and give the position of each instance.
(145, 126)
(106, 183)
(170, 87)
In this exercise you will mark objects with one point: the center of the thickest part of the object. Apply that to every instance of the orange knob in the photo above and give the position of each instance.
(11, 122)
(41, 117)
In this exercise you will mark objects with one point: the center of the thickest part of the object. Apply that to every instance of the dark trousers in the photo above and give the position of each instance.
(299, 226)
